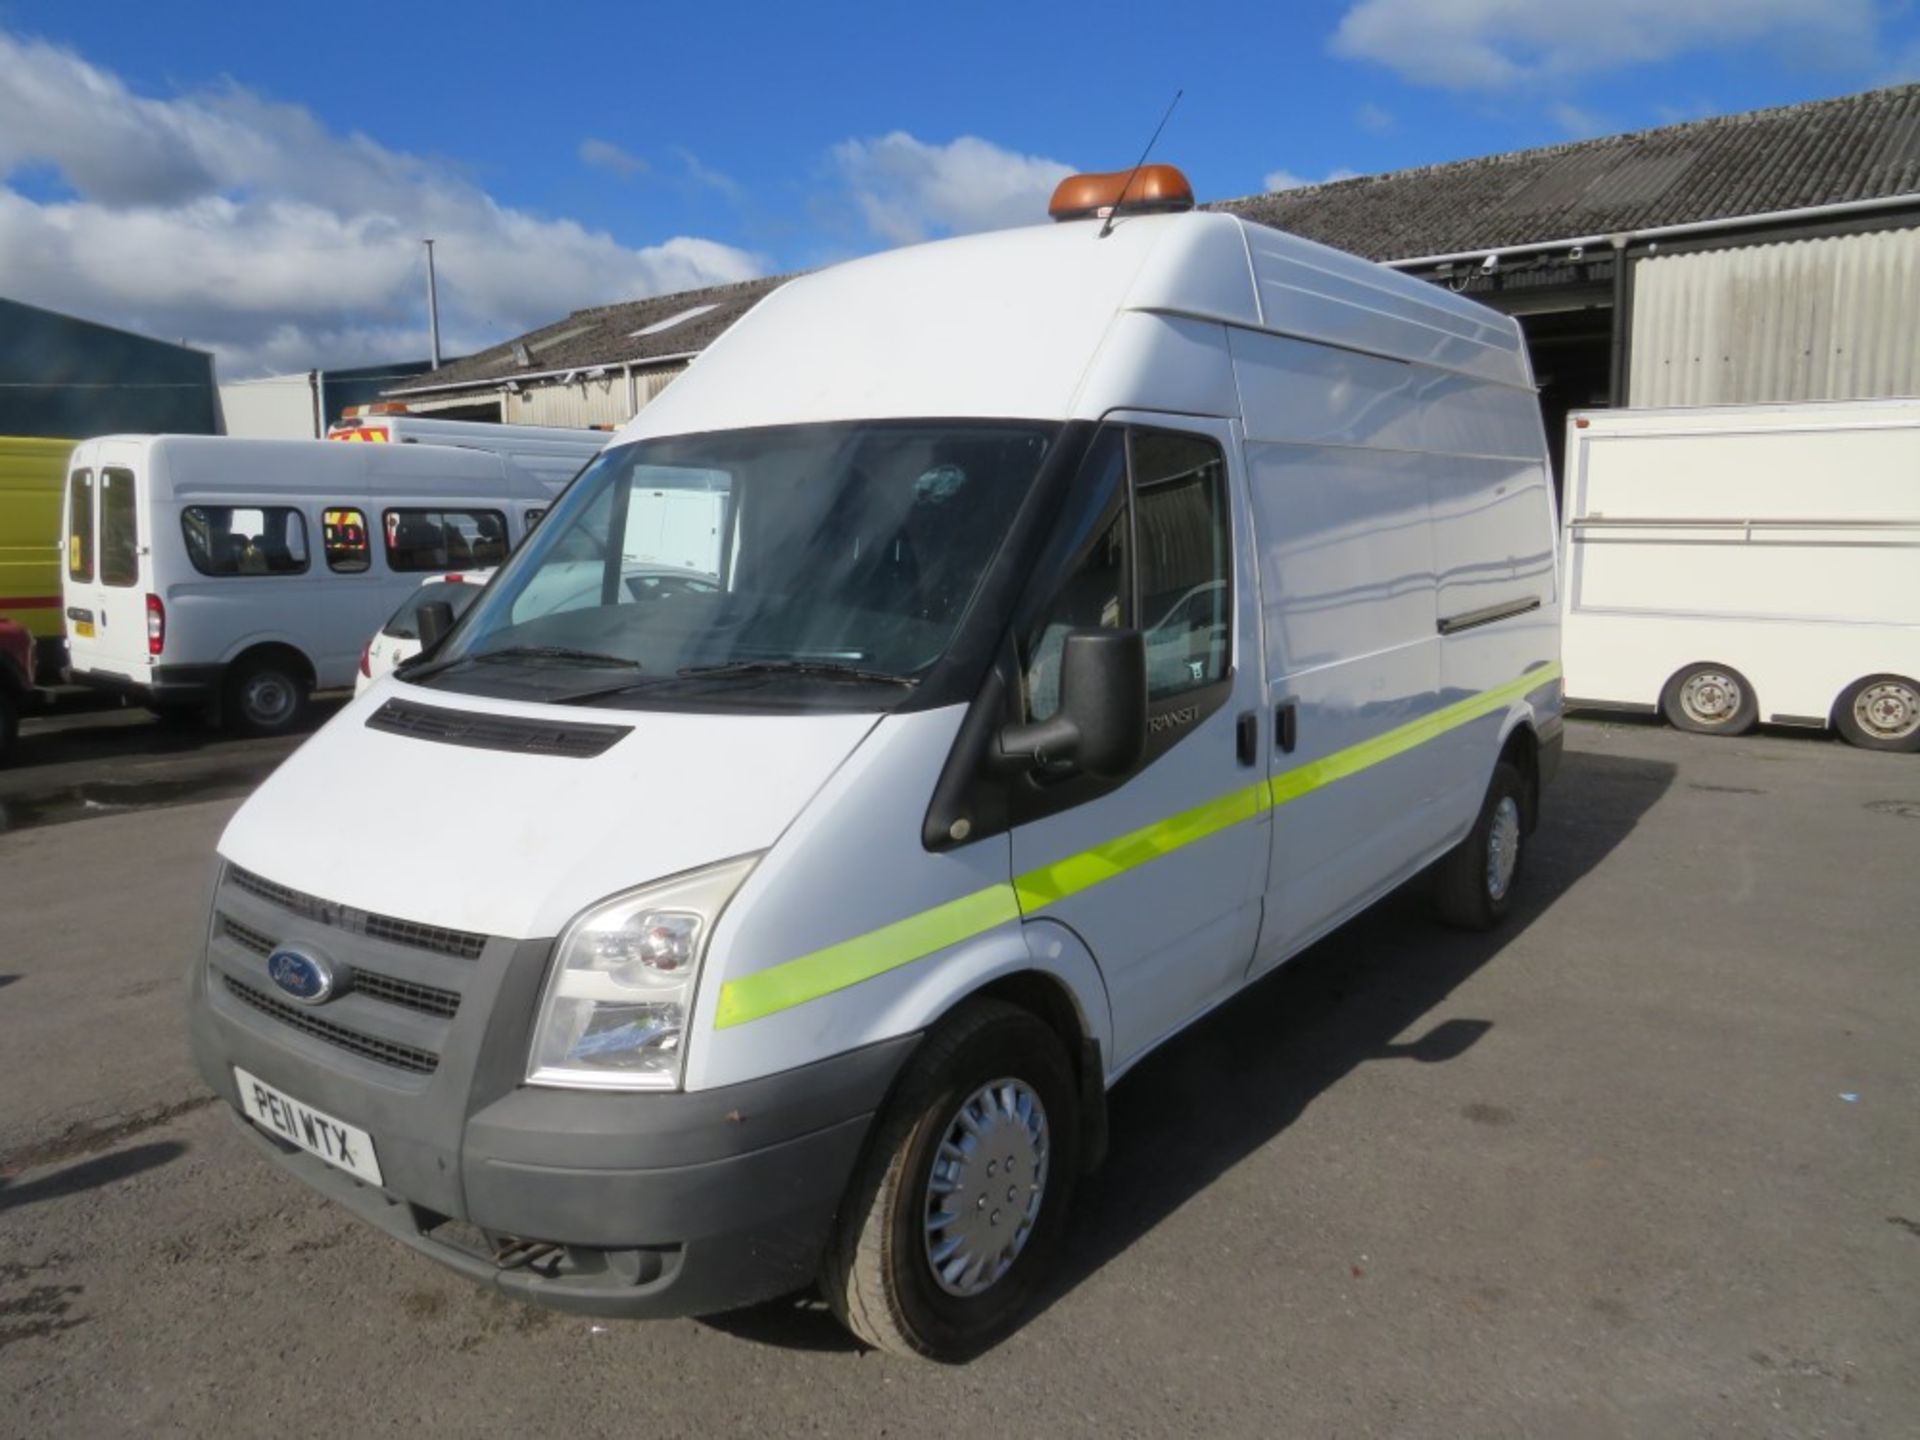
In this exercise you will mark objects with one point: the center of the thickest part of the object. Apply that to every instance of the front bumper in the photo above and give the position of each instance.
(613, 1204)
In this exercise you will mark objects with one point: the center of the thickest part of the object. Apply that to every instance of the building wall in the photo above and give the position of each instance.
(69, 379)
(1825, 319)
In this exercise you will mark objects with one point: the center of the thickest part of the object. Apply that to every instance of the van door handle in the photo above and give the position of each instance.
(1246, 734)
(1286, 726)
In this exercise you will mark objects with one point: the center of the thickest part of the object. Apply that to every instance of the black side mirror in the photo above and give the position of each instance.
(435, 618)
(1101, 725)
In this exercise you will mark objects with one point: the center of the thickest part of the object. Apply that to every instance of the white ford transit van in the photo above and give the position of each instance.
(247, 573)
(1104, 612)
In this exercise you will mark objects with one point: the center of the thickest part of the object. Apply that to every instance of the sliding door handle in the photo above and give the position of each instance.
(1286, 726)
(1246, 738)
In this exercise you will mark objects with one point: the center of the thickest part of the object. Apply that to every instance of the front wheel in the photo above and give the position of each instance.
(9, 725)
(1473, 884)
(1881, 712)
(953, 1216)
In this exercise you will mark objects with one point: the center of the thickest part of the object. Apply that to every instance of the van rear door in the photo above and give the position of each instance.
(107, 565)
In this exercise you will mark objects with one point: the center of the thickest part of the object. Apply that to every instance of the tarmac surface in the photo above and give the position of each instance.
(1644, 1163)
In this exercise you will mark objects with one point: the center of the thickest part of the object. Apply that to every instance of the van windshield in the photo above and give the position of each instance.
(829, 564)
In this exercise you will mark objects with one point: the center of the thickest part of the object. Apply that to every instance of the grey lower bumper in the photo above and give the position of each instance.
(627, 1205)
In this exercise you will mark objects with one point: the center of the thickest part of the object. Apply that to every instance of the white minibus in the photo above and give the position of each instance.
(1103, 612)
(1732, 564)
(247, 573)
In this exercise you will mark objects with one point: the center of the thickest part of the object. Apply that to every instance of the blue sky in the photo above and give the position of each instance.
(254, 178)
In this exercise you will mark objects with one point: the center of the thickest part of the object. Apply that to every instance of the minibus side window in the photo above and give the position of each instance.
(1095, 591)
(119, 529)
(422, 540)
(245, 539)
(1185, 559)
(80, 526)
(343, 535)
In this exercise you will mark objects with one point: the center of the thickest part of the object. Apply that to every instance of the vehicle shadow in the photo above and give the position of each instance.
(1236, 1080)
(89, 1174)
(59, 736)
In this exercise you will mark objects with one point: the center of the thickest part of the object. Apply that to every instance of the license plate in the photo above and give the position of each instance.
(344, 1146)
(84, 629)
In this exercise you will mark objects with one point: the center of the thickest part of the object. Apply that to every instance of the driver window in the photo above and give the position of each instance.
(1185, 559)
(1091, 554)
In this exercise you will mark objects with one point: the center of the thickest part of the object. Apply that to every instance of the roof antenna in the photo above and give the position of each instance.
(1120, 199)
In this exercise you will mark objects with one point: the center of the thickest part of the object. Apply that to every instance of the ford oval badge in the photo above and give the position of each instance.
(306, 978)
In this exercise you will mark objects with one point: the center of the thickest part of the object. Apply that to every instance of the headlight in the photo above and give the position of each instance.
(620, 989)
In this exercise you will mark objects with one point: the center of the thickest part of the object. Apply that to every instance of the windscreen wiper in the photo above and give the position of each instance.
(823, 669)
(554, 652)
(413, 670)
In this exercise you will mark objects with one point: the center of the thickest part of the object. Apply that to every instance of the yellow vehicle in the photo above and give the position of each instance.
(30, 476)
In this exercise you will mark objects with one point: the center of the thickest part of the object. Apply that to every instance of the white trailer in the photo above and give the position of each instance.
(1731, 564)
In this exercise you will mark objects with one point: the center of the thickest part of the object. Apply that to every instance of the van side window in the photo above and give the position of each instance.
(1185, 559)
(245, 539)
(1091, 554)
(80, 526)
(119, 529)
(343, 535)
(422, 540)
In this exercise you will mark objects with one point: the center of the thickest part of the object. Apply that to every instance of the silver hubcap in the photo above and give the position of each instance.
(1710, 698)
(1503, 847)
(268, 699)
(1888, 709)
(984, 1191)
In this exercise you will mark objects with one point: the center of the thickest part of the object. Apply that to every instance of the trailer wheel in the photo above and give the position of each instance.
(264, 695)
(952, 1218)
(1473, 883)
(1710, 699)
(1881, 712)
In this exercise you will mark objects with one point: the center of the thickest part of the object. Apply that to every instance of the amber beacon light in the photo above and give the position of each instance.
(1151, 189)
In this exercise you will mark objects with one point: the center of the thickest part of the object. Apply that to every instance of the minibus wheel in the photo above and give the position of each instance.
(9, 724)
(264, 696)
(954, 1213)
(1881, 712)
(1710, 699)
(1473, 885)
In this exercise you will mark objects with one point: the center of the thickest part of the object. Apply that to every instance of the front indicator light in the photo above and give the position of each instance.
(621, 987)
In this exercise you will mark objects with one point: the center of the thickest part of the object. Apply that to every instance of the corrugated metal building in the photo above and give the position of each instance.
(1767, 256)
(596, 367)
(301, 406)
(66, 378)
(1772, 256)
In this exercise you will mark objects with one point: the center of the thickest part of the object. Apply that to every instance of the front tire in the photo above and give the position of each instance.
(1881, 712)
(952, 1218)
(264, 697)
(1474, 883)
(9, 725)
(1710, 699)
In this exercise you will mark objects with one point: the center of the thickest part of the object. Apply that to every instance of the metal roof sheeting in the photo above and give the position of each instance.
(1828, 319)
(1825, 152)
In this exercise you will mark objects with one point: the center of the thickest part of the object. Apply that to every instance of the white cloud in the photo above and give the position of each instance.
(607, 156)
(907, 190)
(706, 177)
(1491, 44)
(247, 226)
(1577, 122)
(1287, 180)
(1374, 118)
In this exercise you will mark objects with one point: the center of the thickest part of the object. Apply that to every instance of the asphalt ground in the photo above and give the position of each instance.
(1644, 1163)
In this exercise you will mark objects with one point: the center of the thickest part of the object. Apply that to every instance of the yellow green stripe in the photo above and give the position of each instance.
(1066, 877)
(864, 956)
(848, 963)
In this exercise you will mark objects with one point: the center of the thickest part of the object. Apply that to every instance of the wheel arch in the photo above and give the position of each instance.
(283, 651)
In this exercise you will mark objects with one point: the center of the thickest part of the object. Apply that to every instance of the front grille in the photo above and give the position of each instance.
(461, 944)
(370, 1047)
(569, 739)
(427, 999)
